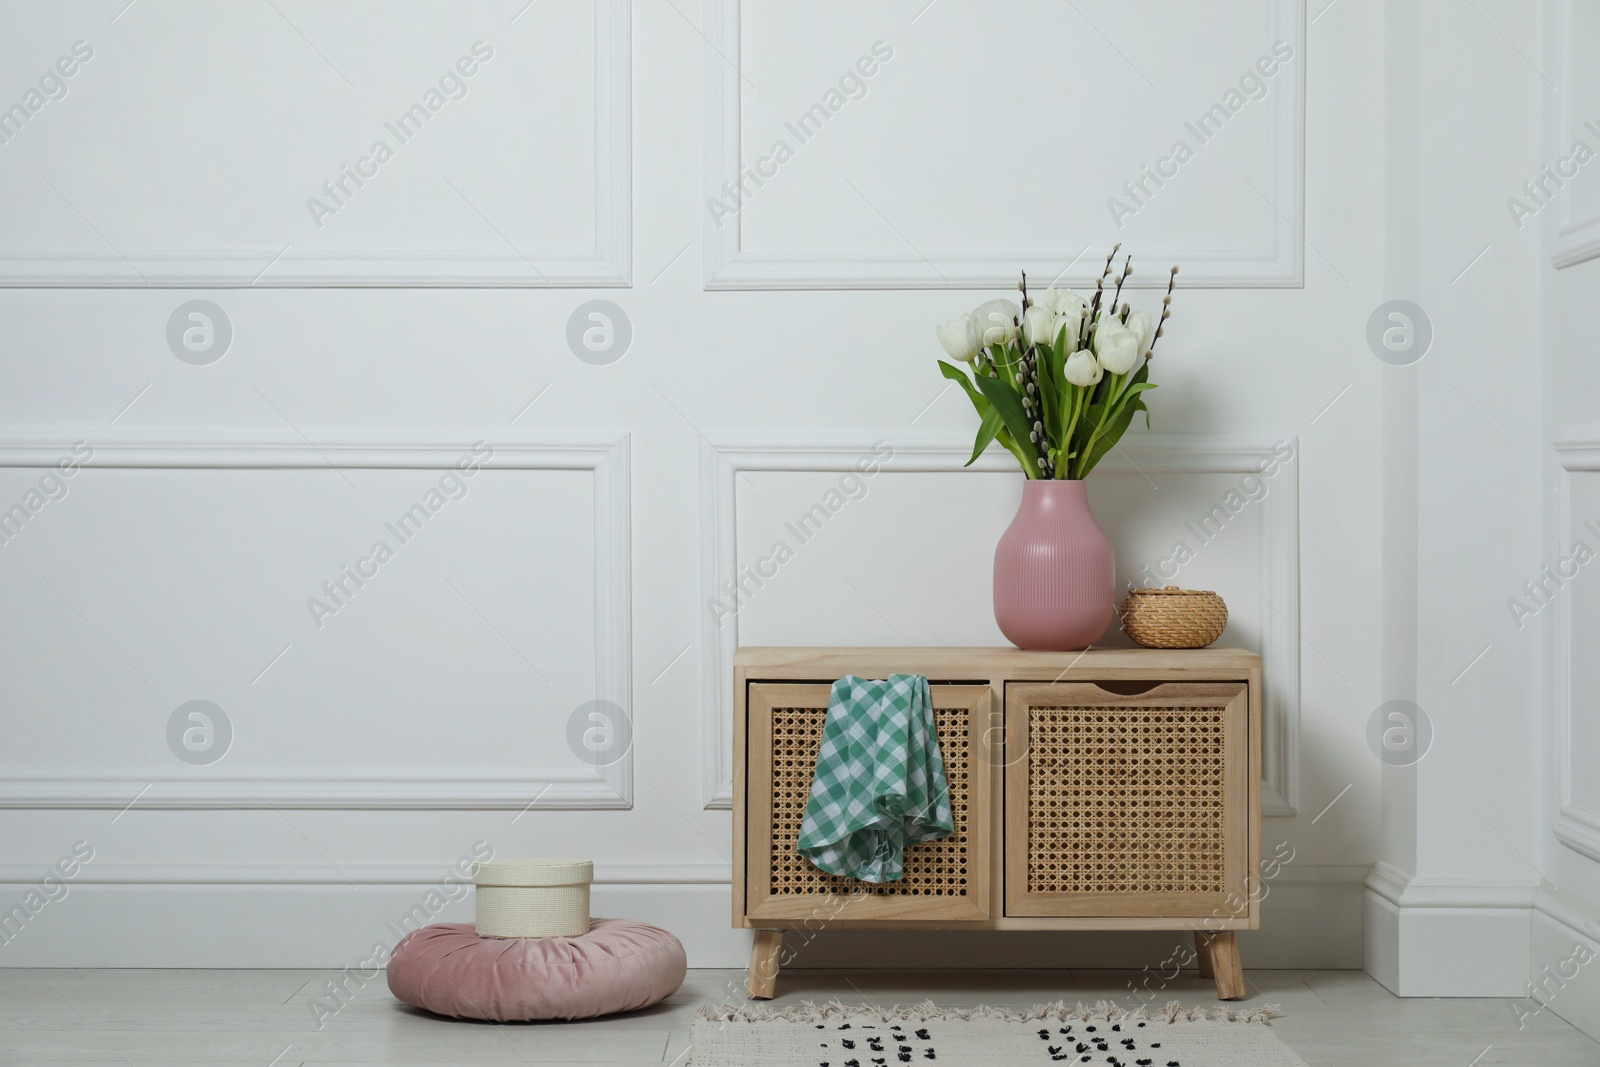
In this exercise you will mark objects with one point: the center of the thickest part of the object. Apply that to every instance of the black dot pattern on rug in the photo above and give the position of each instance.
(900, 1045)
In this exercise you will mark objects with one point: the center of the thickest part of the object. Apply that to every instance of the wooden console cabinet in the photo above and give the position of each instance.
(1114, 789)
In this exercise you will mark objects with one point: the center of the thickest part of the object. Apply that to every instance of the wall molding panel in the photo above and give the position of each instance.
(722, 460)
(730, 266)
(98, 873)
(608, 264)
(605, 457)
(1572, 239)
(1577, 450)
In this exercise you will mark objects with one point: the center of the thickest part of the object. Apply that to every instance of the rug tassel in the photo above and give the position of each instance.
(1107, 1011)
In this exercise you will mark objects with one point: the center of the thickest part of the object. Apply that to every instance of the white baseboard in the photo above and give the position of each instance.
(1436, 939)
(1564, 969)
(1311, 919)
(1380, 939)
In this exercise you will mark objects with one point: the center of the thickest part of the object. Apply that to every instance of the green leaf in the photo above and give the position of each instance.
(1114, 430)
(1010, 445)
(1135, 390)
(992, 425)
(1091, 416)
(1052, 391)
(1006, 360)
(1042, 403)
(956, 374)
(1112, 422)
(1008, 402)
(987, 430)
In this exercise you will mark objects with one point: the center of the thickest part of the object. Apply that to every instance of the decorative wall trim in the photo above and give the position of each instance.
(1340, 875)
(728, 266)
(98, 873)
(613, 148)
(1387, 881)
(544, 790)
(723, 459)
(1579, 916)
(1572, 240)
(345, 874)
(1577, 449)
(608, 264)
(605, 457)
(1404, 891)
(1561, 922)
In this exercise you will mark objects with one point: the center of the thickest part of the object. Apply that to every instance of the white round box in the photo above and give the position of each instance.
(533, 897)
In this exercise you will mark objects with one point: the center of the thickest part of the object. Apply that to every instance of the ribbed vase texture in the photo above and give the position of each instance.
(1054, 571)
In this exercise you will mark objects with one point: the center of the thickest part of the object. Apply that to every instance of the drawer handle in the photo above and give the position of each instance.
(1128, 689)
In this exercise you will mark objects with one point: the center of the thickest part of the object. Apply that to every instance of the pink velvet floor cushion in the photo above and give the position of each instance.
(617, 966)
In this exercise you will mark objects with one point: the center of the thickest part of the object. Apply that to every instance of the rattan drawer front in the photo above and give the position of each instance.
(944, 879)
(1123, 804)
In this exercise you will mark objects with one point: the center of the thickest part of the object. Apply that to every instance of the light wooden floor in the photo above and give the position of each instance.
(258, 1018)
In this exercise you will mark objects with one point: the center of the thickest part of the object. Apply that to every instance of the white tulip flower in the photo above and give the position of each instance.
(998, 321)
(1082, 369)
(1037, 326)
(961, 338)
(1062, 301)
(1143, 325)
(1069, 322)
(1116, 345)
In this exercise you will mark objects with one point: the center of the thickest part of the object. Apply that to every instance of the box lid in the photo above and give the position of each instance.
(539, 871)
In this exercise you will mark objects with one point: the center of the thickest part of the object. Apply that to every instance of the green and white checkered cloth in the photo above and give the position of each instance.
(880, 782)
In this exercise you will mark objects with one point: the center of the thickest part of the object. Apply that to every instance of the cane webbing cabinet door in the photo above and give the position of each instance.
(944, 879)
(1127, 800)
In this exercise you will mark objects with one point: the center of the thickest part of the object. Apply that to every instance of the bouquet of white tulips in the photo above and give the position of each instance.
(1057, 380)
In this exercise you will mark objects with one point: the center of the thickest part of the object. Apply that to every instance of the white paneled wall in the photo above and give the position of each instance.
(790, 96)
(377, 313)
(1567, 588)
(416, 556)
(1566, 180)
(429, 152)
(1561, 602)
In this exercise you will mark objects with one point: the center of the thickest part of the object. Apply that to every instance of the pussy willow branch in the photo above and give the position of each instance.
(1127, 270)
(1166, 312)
(1099, 290)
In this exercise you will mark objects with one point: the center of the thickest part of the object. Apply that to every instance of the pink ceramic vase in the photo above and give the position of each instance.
(1054, 571)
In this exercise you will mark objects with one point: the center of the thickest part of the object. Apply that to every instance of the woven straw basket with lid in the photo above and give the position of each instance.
(1174, 618)
(533, 897)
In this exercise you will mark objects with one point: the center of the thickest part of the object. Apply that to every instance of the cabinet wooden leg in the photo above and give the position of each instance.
(1225, 967)
(762, 981)
(1202, 953)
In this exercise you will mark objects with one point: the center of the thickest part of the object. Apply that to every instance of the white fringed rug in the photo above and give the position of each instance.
(839, 1035)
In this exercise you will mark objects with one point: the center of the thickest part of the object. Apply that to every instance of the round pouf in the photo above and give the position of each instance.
(617, 966)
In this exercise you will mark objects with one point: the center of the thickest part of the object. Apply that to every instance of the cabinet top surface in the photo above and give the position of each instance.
(941, 660)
